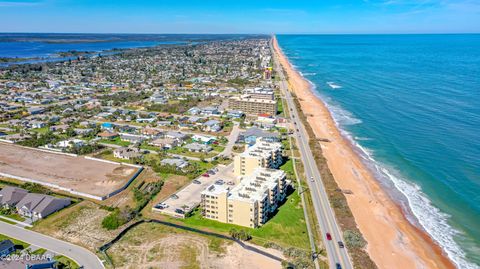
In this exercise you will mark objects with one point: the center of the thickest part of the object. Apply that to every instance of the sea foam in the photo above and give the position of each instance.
(418, 207)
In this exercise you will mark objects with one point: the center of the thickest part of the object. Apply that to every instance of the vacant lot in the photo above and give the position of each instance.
(152, 245)
(75, 173)
(80, 224)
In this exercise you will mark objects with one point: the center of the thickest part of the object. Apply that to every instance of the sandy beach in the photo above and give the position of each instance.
(393, 242)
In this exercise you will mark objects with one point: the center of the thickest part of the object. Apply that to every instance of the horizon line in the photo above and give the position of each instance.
(268, 34)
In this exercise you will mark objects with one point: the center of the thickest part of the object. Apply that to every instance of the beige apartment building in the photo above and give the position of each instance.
(252, 106)
(260, 93)
(262, 154)
(248, 204)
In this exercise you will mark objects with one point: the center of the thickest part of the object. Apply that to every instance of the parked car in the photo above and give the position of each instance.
(161, 206)
(196, 181)
(174, 196)
(329, 236)
(206, 175)
(230, 183)
(219, 182)
(179, 211)
(340, 244)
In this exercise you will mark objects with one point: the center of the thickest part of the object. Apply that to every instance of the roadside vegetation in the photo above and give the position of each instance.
(337, 199)
(142, 194)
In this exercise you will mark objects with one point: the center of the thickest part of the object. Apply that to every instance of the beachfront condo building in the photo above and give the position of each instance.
(248, 204)
(252, 106)
(263, 153)
(260, 93)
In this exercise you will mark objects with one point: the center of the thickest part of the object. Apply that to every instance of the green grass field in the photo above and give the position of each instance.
(115, 141)
(288, 167)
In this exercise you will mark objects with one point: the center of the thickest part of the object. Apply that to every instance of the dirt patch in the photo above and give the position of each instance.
(125, 198)
(75, 173)
(152, 245)
(80, 224)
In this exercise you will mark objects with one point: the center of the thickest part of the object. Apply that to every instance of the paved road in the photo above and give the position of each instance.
(79, 254)
(323, 211)
(232, 139)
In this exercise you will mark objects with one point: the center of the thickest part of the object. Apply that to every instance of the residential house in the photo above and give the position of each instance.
(107, 135)
(194, 111)
(150, 132)
(59, 128)
(180, 137)
(250, 136)
(107, 126)
(35, 110)
(197, 147)
(205, 139)
(35, 124)
(126, 153)
(210, 111)
(10, 196)
(37, 206)
(212, 126)
(164, 143)
(83, 132)
(178, 163)
(6, 248)
(236, 114)
(132, 138)
(70, 143)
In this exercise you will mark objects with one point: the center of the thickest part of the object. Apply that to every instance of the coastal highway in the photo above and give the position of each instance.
(80, 255)
(323, 211)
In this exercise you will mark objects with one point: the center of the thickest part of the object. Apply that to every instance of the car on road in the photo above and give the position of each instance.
(311, 179)
(338, 266)
(206, 175)
(329, 236)
(340, 244)
(196, 181)
(174, 196)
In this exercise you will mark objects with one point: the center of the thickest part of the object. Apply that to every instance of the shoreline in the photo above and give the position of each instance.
(393, 242)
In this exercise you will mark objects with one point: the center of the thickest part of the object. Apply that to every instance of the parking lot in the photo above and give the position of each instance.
(189, 197)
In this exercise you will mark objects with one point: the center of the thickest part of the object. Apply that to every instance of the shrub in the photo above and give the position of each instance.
(354, 239)
(36, 188)
(240, 235)
(117, 218)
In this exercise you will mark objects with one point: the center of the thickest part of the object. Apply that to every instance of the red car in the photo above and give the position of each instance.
(206, 175)
(329, 236)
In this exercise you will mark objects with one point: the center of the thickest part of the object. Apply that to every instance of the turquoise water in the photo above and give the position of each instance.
(411, 106)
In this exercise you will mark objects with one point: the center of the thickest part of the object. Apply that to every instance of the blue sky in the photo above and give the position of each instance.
(241, 16)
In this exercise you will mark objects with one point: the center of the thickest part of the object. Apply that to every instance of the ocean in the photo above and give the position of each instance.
(411, 106)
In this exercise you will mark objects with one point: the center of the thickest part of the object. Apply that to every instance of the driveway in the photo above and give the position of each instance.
(232, 139)
(79, 254)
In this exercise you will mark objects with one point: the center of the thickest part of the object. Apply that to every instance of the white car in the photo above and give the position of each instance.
(311, 179)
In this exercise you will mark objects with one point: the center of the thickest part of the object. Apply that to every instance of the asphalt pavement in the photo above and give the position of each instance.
(80, 255)
(323, 211)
